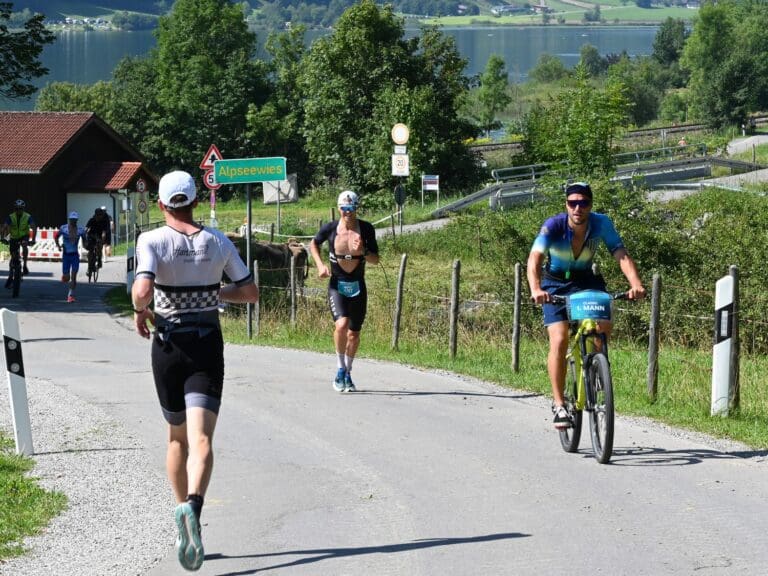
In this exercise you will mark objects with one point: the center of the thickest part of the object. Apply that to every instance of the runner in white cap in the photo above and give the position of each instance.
(68, 241)
(351, 243)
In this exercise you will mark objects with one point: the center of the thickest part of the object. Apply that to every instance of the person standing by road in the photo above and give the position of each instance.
(560, 262)
(351, 243)
(68, 242)
(179, 267)
(17, 226)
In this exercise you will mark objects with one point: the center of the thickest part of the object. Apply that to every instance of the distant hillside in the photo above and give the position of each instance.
(55, 9)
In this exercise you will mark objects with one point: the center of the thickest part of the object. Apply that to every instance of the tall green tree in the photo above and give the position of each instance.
(367, 76)
(492, 95)
(725, 55)
(669, 41)
(205, 79)
(577, 128)
(20, 54)
(70, 97)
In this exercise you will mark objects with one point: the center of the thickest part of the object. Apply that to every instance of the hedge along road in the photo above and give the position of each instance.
(418, 473)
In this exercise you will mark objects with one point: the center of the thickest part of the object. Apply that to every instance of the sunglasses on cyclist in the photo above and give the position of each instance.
(347, 209)
(579, 203)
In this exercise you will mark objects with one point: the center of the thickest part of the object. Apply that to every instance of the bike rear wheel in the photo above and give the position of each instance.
(601, 418)
(570, 437)
(93, 267)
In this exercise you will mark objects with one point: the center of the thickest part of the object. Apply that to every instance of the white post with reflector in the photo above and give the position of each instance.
(17, 384)
(130, 267)
(721, 351)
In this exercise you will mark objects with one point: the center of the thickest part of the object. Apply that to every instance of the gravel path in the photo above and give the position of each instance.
(104, 472)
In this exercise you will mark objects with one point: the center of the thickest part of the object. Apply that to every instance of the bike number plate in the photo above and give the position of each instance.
(589, 304)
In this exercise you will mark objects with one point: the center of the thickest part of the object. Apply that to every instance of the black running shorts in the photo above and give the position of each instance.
(189, 372)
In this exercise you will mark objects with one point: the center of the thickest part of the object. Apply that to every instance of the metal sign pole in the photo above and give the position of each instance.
(248, 306)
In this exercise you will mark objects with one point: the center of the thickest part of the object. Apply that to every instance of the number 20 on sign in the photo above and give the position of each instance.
(400, 165)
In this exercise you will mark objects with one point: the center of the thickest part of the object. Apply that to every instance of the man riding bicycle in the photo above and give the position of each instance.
(560, 262)
(96, 232)
(16, 226)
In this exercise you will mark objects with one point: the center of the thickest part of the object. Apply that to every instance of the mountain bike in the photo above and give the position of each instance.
(14, 268)
(94, 259)
(588, 382)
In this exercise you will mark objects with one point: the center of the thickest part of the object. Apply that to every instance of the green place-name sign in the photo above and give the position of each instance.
(247, 170)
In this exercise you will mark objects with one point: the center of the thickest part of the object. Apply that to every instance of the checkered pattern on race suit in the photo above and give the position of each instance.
(178, 300)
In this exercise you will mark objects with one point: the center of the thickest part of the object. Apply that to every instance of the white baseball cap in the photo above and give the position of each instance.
(74, 215)
(348, 198)
(174, 184)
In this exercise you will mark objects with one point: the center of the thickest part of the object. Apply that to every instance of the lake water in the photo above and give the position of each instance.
(87, 57)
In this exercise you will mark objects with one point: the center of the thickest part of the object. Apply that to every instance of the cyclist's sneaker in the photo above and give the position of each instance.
(70, 298)
(349, 386)
(561, 417)
(189, 545)
(25, 271)
(338, 382)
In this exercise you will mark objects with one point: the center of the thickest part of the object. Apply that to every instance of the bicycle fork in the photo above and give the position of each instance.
(586, 399)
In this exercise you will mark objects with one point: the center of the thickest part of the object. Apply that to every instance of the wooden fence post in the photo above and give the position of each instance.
(454, 307)
(399, 302)
(653, 339)
(257, 306)
(392, 223)
(293, 291)
(272, 232)
(516, 320)
(734, 399)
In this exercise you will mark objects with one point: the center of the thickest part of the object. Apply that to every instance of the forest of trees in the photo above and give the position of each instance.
(328, 108)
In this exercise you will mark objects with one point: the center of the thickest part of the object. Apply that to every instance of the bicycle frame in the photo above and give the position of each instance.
(580, 347)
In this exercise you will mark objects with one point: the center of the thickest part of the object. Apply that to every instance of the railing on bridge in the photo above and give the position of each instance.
(529, 172)
(660, 154)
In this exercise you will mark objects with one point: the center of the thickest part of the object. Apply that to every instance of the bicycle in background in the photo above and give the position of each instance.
(588, 382)
(94, 258)
(14, 268)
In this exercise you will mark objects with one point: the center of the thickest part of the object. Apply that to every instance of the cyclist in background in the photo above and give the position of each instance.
(560, 262)
(97, 230)
(17, 226)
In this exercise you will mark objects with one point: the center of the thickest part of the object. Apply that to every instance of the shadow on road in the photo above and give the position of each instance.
(441, 393)
(639, 456)
(319, 554)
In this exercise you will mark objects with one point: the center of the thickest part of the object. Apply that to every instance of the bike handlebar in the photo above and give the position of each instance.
(560, 299)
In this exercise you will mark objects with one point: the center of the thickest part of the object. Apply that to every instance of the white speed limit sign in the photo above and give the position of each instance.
(141, 185)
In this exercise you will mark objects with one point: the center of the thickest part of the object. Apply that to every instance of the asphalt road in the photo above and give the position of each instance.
(418, 473)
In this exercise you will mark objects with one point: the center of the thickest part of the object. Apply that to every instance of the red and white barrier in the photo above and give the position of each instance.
(45, 246)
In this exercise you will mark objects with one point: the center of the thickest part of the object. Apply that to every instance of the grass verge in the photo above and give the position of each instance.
(25, 508)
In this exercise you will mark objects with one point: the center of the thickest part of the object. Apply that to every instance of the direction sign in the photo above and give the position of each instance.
(210, 181)
(211, 156)
(247, 170)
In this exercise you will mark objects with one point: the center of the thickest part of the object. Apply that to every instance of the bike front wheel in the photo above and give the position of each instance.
(601, 417)
(570, 437)
(16, 281)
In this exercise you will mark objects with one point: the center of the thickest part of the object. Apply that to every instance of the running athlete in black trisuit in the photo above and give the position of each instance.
(351, 243)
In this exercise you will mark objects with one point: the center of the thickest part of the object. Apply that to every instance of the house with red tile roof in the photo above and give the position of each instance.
(62, 161)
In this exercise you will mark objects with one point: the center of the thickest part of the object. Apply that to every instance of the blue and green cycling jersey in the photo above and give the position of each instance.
(554, 241)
